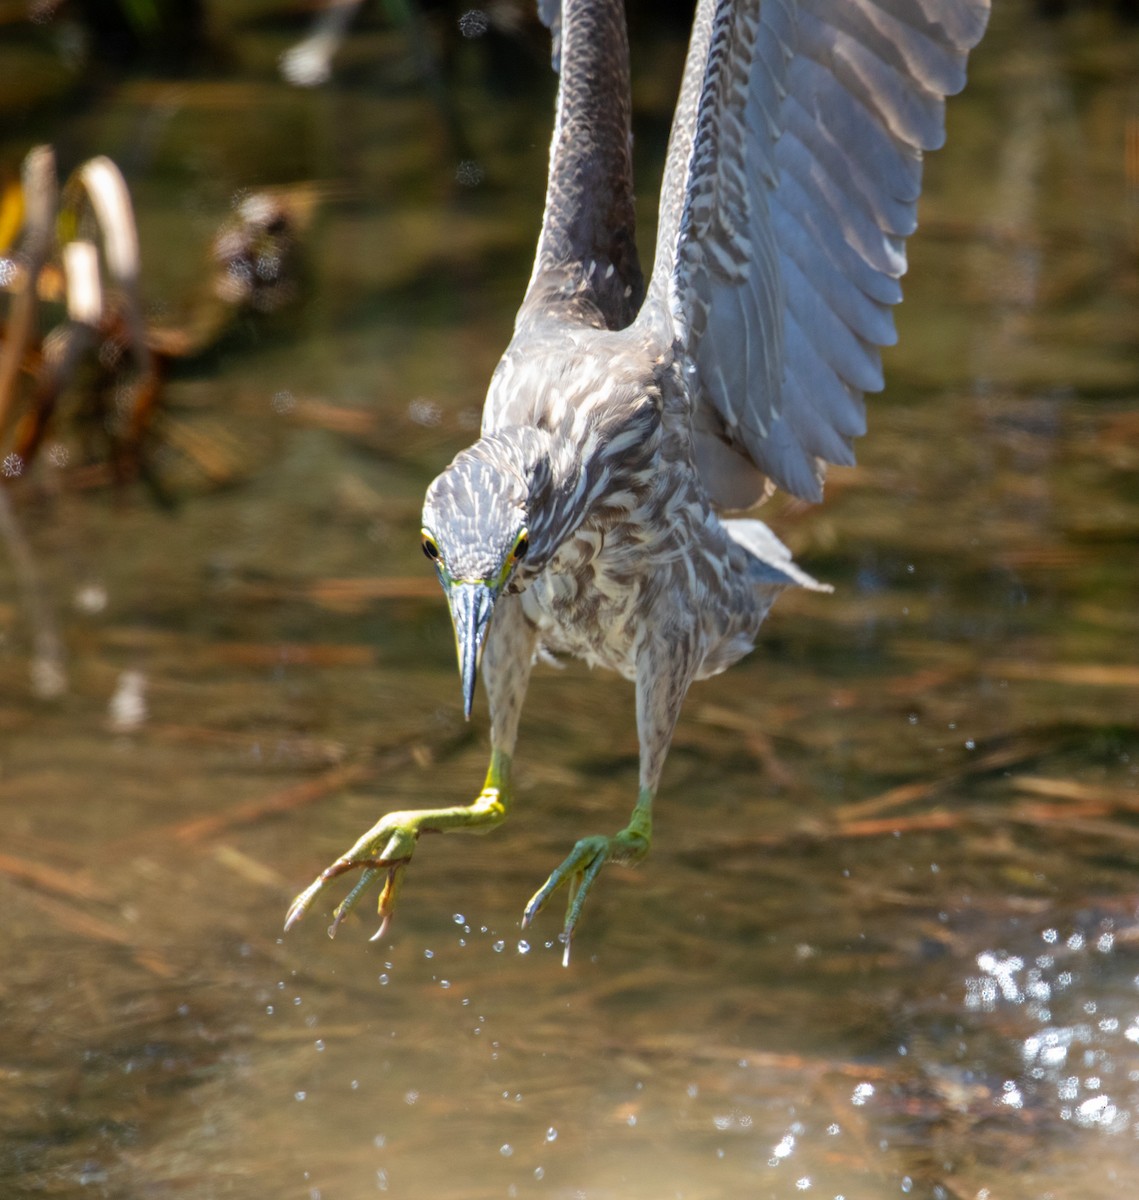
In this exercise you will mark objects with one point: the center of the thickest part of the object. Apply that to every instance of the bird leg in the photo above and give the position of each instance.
(584, 862)
(386, 849)
(664, 671)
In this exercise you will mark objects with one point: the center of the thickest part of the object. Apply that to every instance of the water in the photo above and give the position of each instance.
(885, 943)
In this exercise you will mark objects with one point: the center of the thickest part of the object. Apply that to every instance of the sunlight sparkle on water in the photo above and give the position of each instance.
(784, 1148)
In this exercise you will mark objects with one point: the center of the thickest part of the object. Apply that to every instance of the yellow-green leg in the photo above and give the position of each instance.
(584, 862)
(386, 849)
(388, 846)
(664, 670)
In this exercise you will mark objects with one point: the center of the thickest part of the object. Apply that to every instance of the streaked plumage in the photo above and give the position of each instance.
(621, 422)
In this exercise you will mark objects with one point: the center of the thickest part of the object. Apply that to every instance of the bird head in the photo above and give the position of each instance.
(483, 520)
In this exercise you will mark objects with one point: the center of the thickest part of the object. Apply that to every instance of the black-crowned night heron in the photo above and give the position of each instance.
(622, 422)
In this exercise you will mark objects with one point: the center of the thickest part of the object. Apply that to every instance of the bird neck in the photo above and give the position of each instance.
(587, 266)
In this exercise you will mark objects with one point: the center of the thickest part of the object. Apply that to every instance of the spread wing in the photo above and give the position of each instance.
(792, 182)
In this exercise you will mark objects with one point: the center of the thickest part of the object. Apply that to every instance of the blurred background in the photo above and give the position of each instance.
(886, 943)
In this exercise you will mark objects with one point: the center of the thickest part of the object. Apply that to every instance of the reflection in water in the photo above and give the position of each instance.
(910, 971)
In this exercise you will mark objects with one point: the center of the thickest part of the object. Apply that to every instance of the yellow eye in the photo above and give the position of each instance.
(430, 548)
(521, 545)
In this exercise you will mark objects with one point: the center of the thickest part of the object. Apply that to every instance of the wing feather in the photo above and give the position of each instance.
(859, 312)
(791, 184)
(797, 206)
(852, 358)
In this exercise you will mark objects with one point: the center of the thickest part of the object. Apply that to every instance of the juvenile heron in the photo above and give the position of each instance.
(622, 421)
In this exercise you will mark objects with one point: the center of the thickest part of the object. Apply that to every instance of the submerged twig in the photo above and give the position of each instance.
(83, 923)
(202, 829)
(49, 878)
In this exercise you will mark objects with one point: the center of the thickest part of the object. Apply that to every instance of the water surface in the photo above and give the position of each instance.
(886, 941)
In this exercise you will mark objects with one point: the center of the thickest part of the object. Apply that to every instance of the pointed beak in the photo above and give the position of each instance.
(471, 606)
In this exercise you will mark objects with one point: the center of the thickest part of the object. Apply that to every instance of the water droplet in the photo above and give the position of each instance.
(424, 412)
(551, 1134)
(469, 173)
(298, 1096)
(539, 1173)
(499, 946)
(428, 953)
(269, 1010)
(384, 979)
(506, 1149)
(474, 23)
(970, 744)
(319, 1043)
(907, 1184)
(444, 983)
(523, 947)
(459, 919)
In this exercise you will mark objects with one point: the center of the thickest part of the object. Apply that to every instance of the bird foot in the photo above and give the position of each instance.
(579, 871)
(385, 849)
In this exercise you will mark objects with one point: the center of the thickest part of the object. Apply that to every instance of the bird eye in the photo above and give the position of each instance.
(522, 545)
(430, 548)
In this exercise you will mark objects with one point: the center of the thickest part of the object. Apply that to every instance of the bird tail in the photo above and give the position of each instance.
(769, 561)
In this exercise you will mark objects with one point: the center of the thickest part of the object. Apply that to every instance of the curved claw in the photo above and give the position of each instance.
(349, 902)
(303, 902)
(579, 872)
(387, 847)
